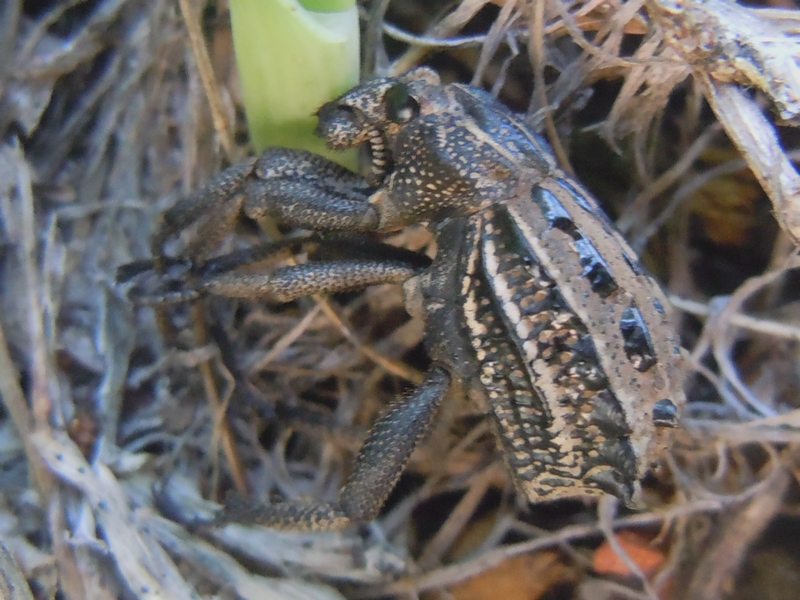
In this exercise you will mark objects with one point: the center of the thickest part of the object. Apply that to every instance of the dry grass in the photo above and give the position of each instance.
(114, 439)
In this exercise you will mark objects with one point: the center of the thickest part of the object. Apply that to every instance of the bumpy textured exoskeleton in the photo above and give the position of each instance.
(533, 302)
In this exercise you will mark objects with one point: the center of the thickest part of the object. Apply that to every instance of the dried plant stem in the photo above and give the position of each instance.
(445, 576)
(755, 324)
(200, 52)
(757, 140)
(458, 520)
(539, 51)
(396, 368)
(218, 407)
(13, 399)
(12, 581)
(717, 570)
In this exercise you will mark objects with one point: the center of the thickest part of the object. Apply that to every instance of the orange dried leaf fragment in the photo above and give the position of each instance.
(639, 549)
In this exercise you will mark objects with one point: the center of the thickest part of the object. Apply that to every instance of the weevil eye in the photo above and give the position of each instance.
(401, 106)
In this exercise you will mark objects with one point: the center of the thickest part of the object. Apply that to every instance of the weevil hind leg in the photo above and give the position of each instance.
(378, 467)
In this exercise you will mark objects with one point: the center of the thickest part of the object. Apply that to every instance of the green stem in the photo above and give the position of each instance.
(294, 56)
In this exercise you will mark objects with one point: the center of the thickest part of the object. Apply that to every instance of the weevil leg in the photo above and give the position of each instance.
(308, 191)
(352, 263)
(207, 215)
(289, 283)
(286, 283)
(292, 186)
(379, 464)
(152, 279)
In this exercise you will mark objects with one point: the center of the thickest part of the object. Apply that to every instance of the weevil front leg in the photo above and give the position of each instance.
(292, 186)
(379, 464)
(240, 274)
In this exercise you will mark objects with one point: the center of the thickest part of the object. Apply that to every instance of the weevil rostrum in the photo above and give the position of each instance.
(533, 301)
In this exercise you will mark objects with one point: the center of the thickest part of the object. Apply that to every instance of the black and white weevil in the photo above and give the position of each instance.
(533, 302)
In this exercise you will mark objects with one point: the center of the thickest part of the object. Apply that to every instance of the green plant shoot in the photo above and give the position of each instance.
(293, 56)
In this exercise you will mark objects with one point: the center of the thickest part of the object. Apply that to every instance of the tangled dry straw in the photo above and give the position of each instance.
(113, 439)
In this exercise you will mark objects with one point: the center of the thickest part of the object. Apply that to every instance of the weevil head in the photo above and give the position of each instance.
(375, 112)
(435, 150)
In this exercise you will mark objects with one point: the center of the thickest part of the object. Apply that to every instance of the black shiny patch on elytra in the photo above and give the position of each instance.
(638, 346)
(557, 216)
(595, 268)
(665, 413)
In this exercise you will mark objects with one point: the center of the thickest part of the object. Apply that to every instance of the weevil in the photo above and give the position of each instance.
(533, 302)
